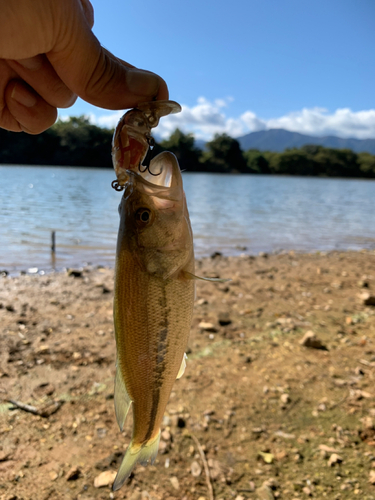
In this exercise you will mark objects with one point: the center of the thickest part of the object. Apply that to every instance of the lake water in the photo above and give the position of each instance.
(228, 212)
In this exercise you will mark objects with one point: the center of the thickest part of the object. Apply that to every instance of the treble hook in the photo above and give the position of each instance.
(147, 169)
(117, 186)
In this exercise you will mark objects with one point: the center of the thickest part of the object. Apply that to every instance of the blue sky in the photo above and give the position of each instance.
(244, 65)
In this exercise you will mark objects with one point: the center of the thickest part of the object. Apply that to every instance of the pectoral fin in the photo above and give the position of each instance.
(191, 276)
(122, 398)
(182, 367)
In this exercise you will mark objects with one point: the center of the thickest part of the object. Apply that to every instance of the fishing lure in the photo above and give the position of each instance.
(132, 138)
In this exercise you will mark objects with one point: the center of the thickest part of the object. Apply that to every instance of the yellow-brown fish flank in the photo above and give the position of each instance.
(153, 304)
(161, 350)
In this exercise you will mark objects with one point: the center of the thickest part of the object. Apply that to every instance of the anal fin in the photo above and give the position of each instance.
(122, 398)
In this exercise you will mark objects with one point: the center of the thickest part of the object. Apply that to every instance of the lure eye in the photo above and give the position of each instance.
(143, 215)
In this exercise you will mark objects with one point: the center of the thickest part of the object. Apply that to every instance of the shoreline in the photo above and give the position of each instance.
(240, 253)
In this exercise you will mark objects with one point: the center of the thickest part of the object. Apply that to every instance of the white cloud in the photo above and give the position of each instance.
(209, 117)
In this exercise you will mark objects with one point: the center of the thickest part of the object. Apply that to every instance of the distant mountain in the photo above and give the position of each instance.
(278, 139)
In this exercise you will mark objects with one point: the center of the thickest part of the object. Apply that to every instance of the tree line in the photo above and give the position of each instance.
(77, 142)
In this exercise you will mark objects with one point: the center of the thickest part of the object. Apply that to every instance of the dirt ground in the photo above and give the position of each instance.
(257, 414)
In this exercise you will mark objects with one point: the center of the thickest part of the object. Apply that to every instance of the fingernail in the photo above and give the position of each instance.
(33, 63)
(142, 82)
(23, 96)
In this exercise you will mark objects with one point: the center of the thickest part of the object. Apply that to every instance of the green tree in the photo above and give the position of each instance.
(81, 143)
(224, 155)
(183, 146)
(366, 163)
(336, 162)
(256, 162)
(295, 162)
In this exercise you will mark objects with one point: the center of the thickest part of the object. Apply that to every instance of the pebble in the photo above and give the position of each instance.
(202, 302)
(312, 341)
(175, 482)
(268, 458)
(265, 493)
(75, 273)
(285, 398)
(73, 474)
(334, 459)
(368, 299)
(224, 319)
(207, 327)
(105, 478)
(196, 469)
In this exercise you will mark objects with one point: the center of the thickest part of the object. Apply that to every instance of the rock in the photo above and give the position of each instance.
(367, 298)
(202, 302)
(328, 449)
(75, 273)
(284, 435)
(207, 327)
(4, 457)
(175, 482)
(105, 478)
(370, 301)
(53, 475)
(166, 435)
(267, 458)
(311, 340)
(196, 469)
(214, 255)
(45, 389)
(372, 477)
(224, 319)
(285, 398)
(178, 421)
(334, 459)
(265, 493)
(73, 474)
(136, 495)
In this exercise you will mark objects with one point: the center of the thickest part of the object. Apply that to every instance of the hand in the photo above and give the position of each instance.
(49, 56)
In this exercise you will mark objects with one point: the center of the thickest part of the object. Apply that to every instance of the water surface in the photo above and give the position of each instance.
(228, 213)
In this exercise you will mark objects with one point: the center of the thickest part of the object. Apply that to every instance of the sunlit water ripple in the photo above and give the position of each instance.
(228, 212)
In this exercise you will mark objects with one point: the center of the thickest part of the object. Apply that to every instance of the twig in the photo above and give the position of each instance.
(45, 411)
(23, 406)
(205, 465)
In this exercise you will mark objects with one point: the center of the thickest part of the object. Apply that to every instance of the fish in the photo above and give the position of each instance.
(153, 302)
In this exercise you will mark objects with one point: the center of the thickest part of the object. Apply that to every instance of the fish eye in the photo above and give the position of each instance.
(143, 215)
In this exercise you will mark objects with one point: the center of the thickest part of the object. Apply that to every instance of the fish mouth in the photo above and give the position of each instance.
(163, 171)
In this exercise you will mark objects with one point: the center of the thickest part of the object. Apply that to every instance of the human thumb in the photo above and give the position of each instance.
(96, 75)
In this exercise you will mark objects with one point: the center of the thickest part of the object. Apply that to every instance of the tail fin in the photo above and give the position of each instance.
(136, 454)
